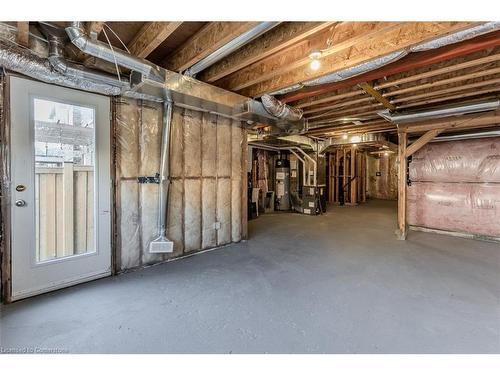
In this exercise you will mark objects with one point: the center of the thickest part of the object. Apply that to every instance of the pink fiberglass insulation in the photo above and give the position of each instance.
(473, 160)
(466, 208)
(456, 186)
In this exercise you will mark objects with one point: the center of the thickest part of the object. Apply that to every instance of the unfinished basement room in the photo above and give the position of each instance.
(250, 186)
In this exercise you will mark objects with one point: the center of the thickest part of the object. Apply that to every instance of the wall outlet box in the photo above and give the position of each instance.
(217, 225)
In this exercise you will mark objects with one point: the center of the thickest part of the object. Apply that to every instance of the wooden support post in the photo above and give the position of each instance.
(402, 228)
(353, 178)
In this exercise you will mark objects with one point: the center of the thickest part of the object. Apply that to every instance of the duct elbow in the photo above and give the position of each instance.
(280, 110)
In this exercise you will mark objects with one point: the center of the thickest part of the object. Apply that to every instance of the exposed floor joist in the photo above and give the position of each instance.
(408, 63)
(296, 58)
(210, 38)
(365, 49)
(23, 33)
(280, 37)
(151, 35)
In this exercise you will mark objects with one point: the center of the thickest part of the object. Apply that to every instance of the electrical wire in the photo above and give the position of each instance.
(114, 56)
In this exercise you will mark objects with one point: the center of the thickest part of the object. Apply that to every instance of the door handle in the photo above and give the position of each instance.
(20, 203)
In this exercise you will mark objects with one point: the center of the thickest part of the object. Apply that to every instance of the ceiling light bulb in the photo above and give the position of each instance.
(315, 64)
(315, 54)
(386, 153)
(344, 136)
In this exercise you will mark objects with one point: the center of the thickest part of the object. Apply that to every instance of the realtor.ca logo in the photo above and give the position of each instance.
(32, 350)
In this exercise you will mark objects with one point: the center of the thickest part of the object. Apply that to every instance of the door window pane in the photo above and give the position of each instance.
(64, 179)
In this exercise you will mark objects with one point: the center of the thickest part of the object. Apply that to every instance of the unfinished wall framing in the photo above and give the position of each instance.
(207, 203)
(382, 176)
(347, 176)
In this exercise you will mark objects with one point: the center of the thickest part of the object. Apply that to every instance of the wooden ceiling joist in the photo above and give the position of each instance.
(436, 72)
(403, 36)
(413, 61)
(150, 36)
(351, 110)
(443, 82)
(462, 95)
(23, 33)
(368, 88)
(280, 37)
(447, 90)
(326, 99)
(210, 38)
(343, 37)
(336, 105)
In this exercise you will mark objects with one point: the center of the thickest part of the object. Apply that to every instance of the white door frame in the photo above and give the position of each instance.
(29, 277)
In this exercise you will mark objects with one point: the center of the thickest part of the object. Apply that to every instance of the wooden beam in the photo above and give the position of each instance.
(348, 111)
(150, 36)
(413, 61)
(436, 72)
(23, 33)
(280, 37)
(347, 103)
(396, 39)
(377, 96)
(210, 38)
(470, 121)
(326, 98)
(443, 82)
(344, 36)
(403, 164)
(447, 90)
(462, 95)
(422, 141)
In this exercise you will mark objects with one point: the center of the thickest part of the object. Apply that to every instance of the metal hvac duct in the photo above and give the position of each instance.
(21, 60)
(279, 109)
(230, 47)
(56, 39)
(105, 52)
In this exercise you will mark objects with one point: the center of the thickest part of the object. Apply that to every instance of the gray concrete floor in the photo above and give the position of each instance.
(337, 283)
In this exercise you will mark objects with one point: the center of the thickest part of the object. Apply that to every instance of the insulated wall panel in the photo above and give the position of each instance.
(192, 143)
(177, 143)
(475, 160)
(129, 225)
(207, 189)
(175, 217)
(192, 214)
(223, 147)
(456, 186)
(209, 145)
(127, 138)
(224, 211)
(209, 194)
(465, 208)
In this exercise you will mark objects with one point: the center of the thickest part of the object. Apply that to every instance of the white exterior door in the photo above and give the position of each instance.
(61, 187)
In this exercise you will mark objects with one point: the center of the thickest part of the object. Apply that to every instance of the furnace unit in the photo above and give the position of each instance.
(282, 185)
